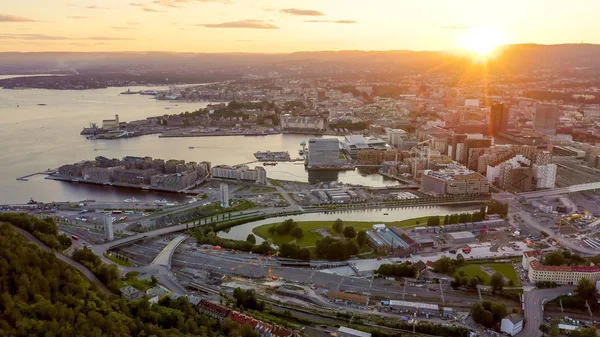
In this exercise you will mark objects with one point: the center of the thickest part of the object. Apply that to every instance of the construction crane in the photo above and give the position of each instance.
(559, 223)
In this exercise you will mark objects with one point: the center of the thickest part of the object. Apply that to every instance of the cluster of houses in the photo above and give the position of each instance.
(263, 329)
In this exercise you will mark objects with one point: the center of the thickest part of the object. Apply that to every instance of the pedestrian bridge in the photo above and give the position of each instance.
(164, 257)
(563, 190)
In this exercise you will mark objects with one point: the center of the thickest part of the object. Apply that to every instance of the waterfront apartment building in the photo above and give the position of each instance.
(303, 123)
(257, 175)
(323, 152)
(571, 275)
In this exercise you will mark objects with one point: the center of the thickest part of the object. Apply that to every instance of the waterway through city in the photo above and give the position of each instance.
(39, 129)
(384, 215)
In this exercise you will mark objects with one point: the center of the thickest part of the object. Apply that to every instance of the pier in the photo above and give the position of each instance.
(47, 172)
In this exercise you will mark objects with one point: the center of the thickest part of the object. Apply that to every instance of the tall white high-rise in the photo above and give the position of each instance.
(224, 195)
(108, 227)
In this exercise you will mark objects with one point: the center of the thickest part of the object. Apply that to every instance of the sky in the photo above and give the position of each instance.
(281, 26)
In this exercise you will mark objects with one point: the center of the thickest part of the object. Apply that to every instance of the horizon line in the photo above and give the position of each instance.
(302, 51)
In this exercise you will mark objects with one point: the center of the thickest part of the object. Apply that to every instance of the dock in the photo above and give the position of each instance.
(48, 172)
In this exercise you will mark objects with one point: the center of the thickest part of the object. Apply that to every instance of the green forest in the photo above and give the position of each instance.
(42, 296)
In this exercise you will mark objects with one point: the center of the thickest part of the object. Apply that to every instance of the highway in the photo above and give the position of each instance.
(534, 301)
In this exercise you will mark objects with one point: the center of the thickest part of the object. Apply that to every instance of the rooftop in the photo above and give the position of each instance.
(416, 305)
(353, 332)
(514, 318)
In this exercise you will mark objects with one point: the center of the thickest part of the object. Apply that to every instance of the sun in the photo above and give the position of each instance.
(481, 40)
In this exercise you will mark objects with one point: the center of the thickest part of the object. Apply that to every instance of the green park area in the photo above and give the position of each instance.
(310, 237)
(505, 269)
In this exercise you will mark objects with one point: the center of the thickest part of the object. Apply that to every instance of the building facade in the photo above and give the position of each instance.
(546, 116)
(257, 175)
(323, 152)
(570, 275)
(512, 324)
(302, 123)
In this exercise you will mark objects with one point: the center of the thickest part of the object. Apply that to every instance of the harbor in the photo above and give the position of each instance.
(48, 172)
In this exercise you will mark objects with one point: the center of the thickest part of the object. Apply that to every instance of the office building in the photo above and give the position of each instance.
(498, 121)
(324, 152)
(546, 116)
(354, 144)
(108, 227)
(454, 182)
(224, 195)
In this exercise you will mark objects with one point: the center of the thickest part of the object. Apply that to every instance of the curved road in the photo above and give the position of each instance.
(86, 272)
(534, 301)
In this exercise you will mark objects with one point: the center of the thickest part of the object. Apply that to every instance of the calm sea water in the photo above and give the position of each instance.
(35, 138)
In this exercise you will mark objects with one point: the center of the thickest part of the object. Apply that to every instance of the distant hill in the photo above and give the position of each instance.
(511, 58)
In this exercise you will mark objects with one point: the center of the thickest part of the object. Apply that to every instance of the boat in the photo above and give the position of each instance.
(385, 214)
(301, 152)
(255, 134)
(270, 164)
(42, 104)
(191, 147)
(32, 202)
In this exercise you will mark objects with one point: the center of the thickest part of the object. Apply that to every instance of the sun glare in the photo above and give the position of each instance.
(481, 40)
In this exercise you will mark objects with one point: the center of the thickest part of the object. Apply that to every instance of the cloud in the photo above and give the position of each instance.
(121, 28)
(180, 3)
(86, 6)
(145, 7)
(456, 27)
(302, 12)
(42, 37)
(77, 17)
(333, 21)
(14, 18)
(252, 24)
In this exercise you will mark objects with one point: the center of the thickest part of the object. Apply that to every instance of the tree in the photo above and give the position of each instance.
(445, 265)
(361, 238)
(251, 238)
(433, 221)
(459, 259)
(497, 282)
(338, 226)
(297, 232)
(474, 282)
(554, 259)
(154, 281)
(349, 232)
(585, 289)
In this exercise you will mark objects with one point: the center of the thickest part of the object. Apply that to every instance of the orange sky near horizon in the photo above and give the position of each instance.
(291, 25)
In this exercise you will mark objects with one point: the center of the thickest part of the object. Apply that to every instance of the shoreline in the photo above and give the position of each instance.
(113, 184)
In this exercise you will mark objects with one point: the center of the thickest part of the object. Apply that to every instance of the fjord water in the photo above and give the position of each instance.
(39, 129)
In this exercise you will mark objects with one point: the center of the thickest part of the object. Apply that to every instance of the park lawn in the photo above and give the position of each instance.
(506, 269)
(310, 239)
